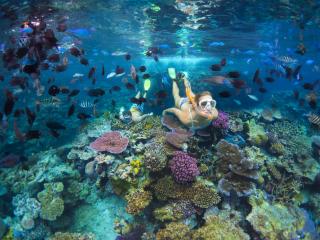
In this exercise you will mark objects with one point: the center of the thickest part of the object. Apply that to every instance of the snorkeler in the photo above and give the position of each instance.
(135, 113)
(195, 111)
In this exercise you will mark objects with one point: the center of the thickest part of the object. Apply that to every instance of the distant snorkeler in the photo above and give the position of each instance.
(196, 111)
(135, 113)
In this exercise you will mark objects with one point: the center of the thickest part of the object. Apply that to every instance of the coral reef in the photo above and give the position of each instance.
(183, 167)
(137, 201)
(52, 205)
(174, 231)
(256, 133)
(72, 236)
(155, 158)
(111, 142)
(204, 196)
(275, 221)
(219, 229)
(222, 122)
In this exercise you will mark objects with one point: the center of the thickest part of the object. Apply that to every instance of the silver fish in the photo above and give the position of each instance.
(286, 60)
(86, 104)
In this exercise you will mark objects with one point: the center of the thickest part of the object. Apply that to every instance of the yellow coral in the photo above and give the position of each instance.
(204, 196)
(218, 228)
(137, 201)
(174, 231)
(136, 166)
(277, 149)
(9, 235)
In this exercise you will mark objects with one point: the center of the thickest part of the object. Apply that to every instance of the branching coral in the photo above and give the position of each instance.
(204, 196)
(137, 201)
(174, 231)
(52, 205)
(217, 228)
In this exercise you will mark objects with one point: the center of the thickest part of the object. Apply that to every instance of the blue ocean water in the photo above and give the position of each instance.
(80, 160)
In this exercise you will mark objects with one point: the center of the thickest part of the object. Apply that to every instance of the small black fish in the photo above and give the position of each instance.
(91, 72)
(137, 79)
(270, 79)
(156, 58)
(223, 62)
(289, 72)
(54, 90)
(33, 134)
(308, 86)
(9, 103)
(30, 68)
(233, 74)
(102, 71)
(64, 90)
(215, 67)
(127, 57)
(161, 94)
(256, 77)
(238, 84)
(54, 58)
(84, 61)
(130, 86)
(138, 100)
(142, 69)
(1, 78)
(21, 52)
(31, 116)
(55, 125)
(119, 70)
(113, 103)
(146, 76)
(71, 110)
(224, 94)
(313, 104)
(296, 71)
(116, 88)
(96, 92)
(74, 92)
(75, 51)
(45, 66)
(83, 116)
(262, 90)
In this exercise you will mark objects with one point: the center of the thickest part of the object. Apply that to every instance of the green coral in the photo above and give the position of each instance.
(274, 221)
(256, 133)
(166, 213)
(52, 205)
(218, 228)
(174, 231)
(277, 149)
(255, 155)
(9, 235)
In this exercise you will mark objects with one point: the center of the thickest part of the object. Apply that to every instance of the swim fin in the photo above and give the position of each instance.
(147, 84)
(172, 73)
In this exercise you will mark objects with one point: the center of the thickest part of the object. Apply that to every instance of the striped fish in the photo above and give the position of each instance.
(86, 104)
(314, 119)
(286, 60)
(52, 101)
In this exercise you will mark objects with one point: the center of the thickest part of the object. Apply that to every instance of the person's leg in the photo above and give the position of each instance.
(175, 93)
(137, 95)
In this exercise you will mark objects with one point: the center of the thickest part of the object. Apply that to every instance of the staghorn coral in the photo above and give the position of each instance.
(137, 201)
(111, 142)
(183, 167)
(174, 231)
(72, 236)
(275, 221)
(52, 205)
(155, 158)
(218, 228)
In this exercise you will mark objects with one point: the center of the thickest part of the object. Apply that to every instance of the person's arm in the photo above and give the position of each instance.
(140, 118)
(189, 92)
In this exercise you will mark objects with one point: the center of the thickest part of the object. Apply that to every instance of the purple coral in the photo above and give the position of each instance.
(111, 142)
(183, 167)
(222, 122)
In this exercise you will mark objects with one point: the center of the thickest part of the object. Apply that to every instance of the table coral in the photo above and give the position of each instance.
(52, 205)
(111, 142)
(218, 228)
(174, 231)
(137, 201)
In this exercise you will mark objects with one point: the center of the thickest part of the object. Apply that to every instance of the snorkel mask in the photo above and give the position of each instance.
(207, 104)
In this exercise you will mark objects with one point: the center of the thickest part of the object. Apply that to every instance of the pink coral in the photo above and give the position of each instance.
(222, 122)
(178, 138)
(111, 142)
(183, 167)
